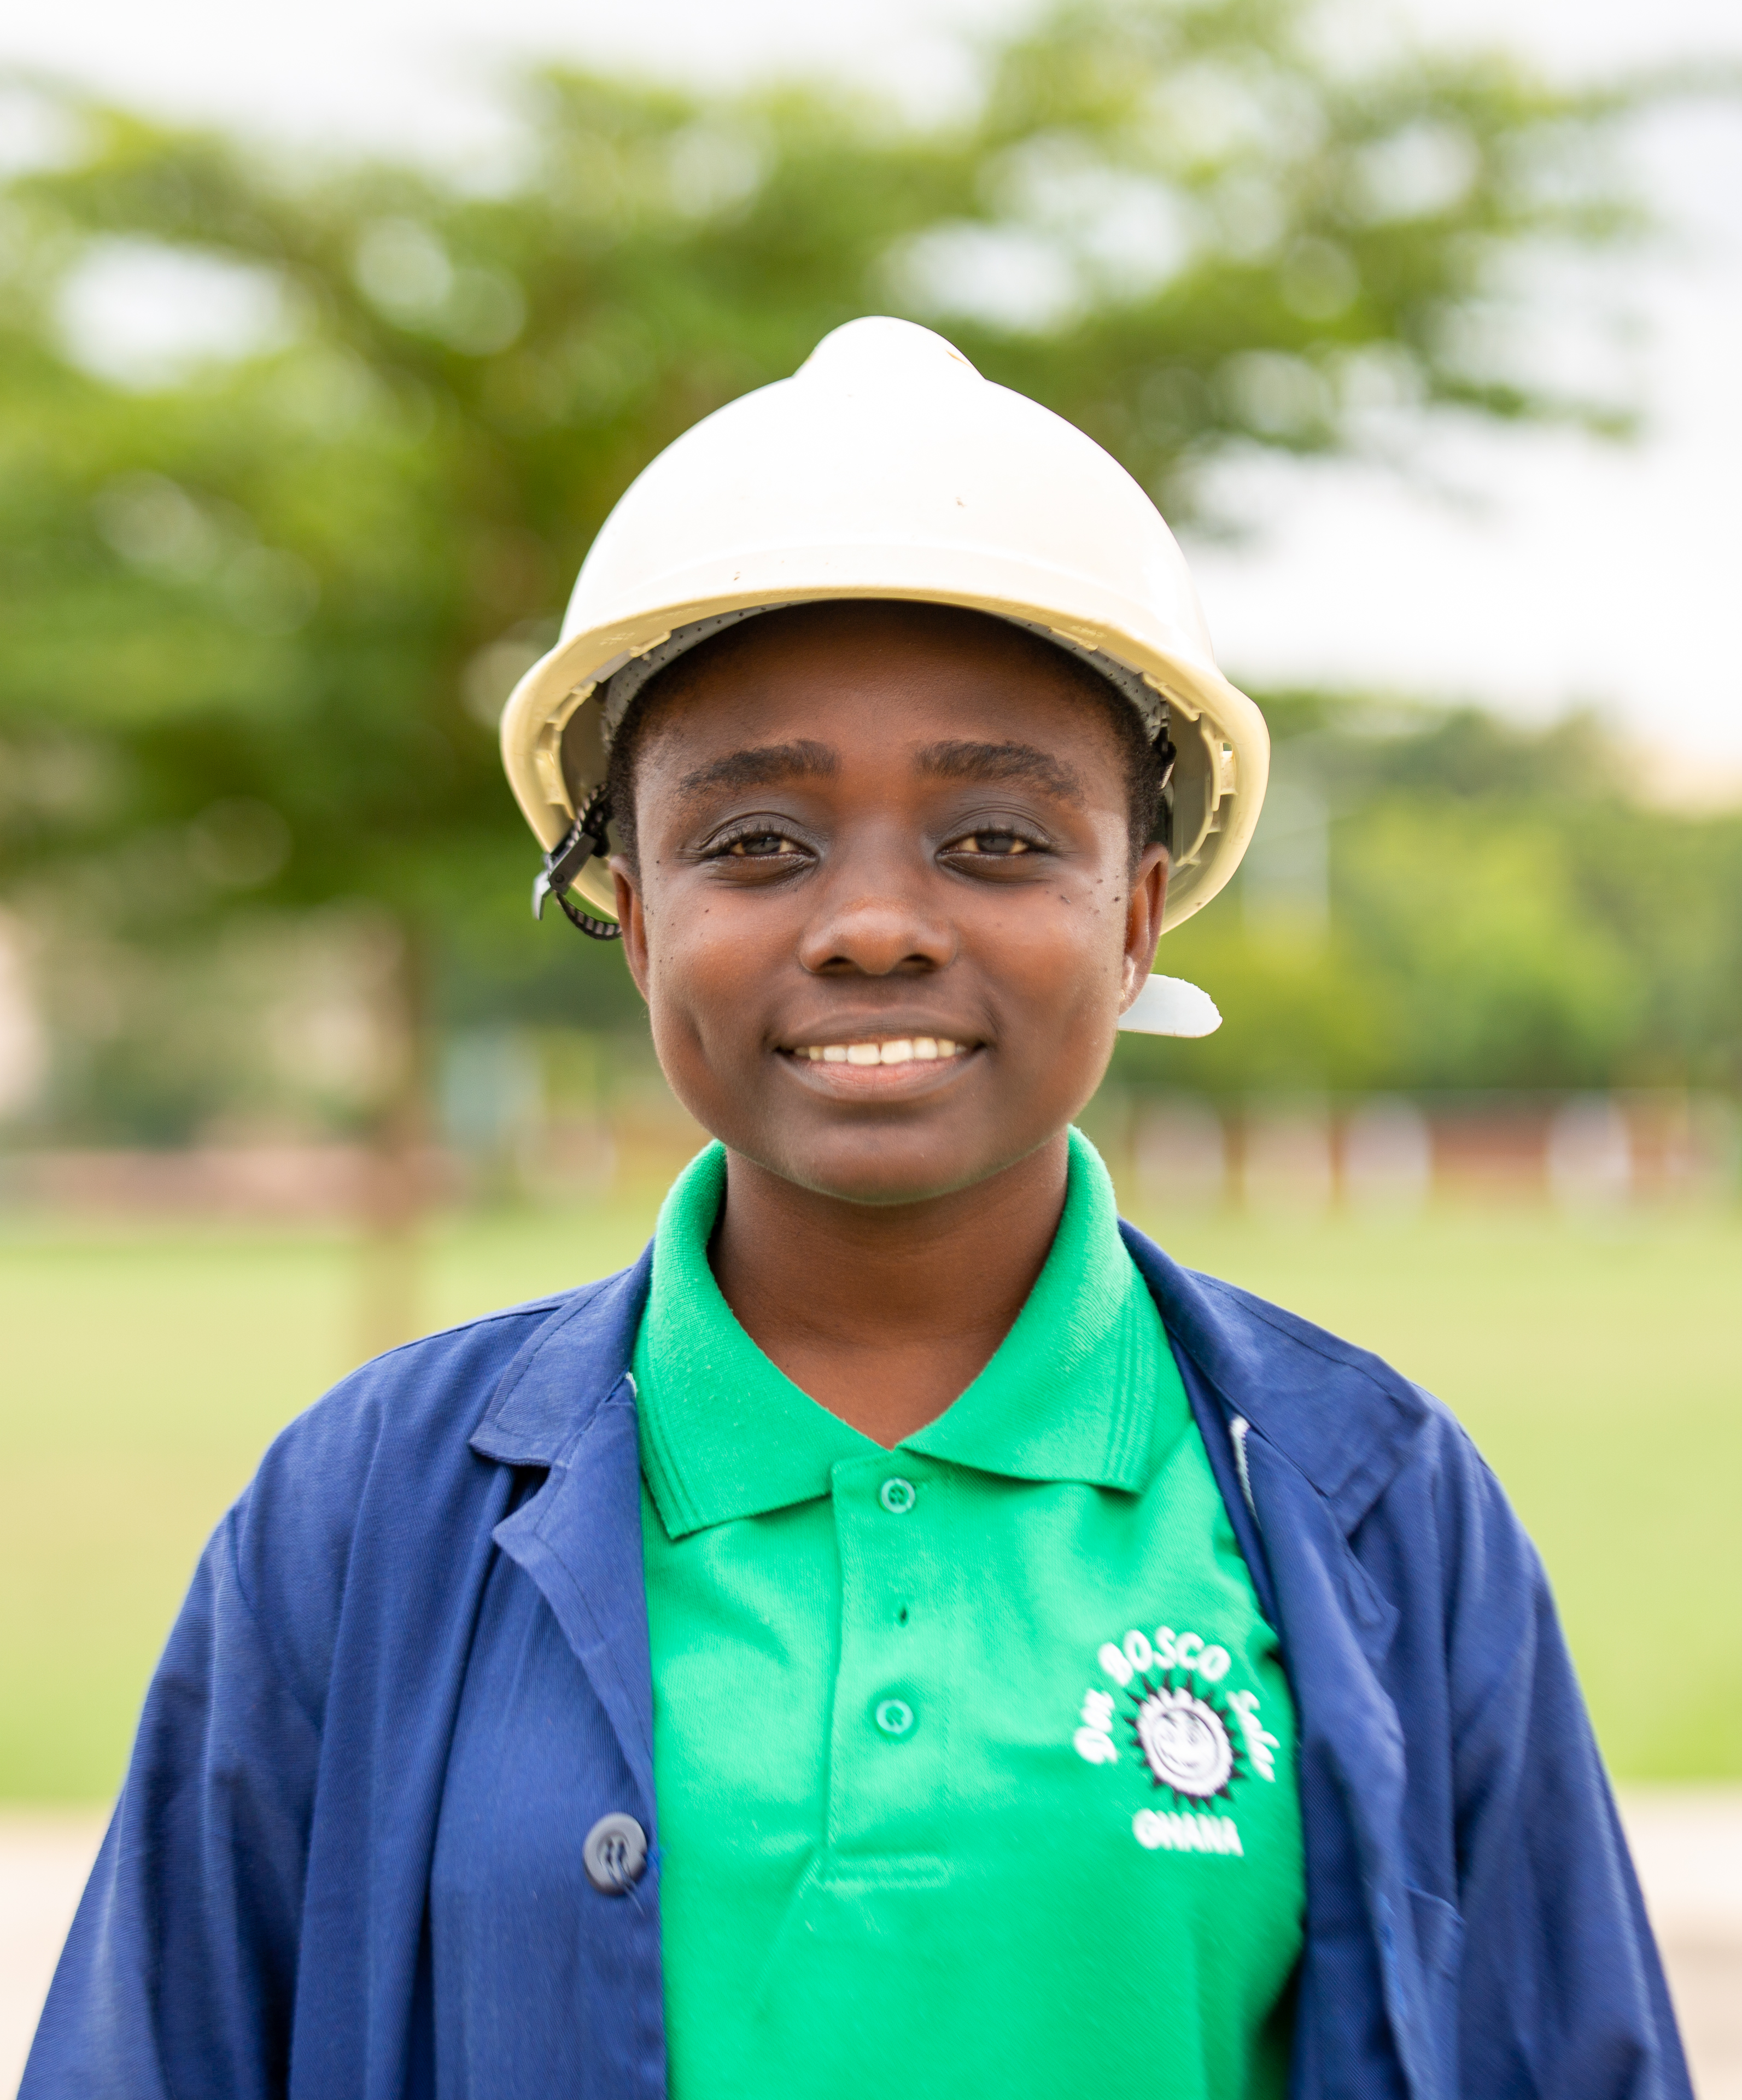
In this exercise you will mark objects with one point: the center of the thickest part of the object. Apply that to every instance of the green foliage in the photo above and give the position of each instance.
(1496, 912)
(257, 618)
(1512, 977)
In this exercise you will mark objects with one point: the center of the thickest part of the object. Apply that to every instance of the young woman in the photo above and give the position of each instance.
(906, 1633)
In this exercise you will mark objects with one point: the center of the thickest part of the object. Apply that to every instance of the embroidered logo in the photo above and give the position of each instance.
(1194, 1742)
(1184, 1741)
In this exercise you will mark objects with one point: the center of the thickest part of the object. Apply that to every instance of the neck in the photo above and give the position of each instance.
(884, 1314)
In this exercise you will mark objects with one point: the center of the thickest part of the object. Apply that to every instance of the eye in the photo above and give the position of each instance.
(762, 845)
(758, 839)
(992, 842)
(1002, 844)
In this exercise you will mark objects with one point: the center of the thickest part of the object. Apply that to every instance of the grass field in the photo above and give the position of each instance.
(1600, 1371)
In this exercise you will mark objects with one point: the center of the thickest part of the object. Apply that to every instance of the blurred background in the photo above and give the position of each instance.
(327, 342)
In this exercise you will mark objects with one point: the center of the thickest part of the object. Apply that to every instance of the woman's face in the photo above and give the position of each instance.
(883, 914)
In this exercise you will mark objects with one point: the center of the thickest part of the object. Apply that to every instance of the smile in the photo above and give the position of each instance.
(904, 1050)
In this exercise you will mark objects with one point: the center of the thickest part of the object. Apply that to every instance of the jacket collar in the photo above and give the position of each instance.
(565, 1372)
(1342, 1416)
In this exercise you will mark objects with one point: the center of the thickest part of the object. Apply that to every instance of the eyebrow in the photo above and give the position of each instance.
(999, 762)
(763, 765)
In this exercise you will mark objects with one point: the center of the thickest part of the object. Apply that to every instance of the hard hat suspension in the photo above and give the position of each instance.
(585, 840)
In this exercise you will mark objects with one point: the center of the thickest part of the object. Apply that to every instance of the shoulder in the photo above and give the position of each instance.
(1318, 1386)
(380, 1426)
(376, 1496)
(1392, 1465)
(1395, 1470)
(1342, 1416)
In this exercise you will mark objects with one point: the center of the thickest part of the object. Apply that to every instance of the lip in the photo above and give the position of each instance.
(845, 1082)
(883, 1083)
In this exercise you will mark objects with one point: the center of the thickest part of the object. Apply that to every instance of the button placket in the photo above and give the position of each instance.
(889, 1731)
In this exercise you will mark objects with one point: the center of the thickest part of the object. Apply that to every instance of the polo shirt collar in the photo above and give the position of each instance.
(726, 1434)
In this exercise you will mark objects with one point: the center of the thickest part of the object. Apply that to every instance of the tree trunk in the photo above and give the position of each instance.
(397, 1181)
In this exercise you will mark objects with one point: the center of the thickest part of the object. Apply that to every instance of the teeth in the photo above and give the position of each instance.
(904, 1050)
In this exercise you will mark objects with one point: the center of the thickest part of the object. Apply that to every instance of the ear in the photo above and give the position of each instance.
(1143, 922)
(632, 919)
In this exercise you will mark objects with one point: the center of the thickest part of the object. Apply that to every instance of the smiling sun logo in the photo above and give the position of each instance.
(1183, 1734)
(1193, 1738)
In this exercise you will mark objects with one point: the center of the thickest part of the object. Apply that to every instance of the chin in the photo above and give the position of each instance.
(882, 1170)
(881, 1179)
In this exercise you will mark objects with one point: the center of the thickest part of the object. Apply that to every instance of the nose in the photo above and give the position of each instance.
(877, 922)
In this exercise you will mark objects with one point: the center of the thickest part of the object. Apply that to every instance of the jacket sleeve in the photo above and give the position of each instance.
(178, 1976)
(1563, 1995)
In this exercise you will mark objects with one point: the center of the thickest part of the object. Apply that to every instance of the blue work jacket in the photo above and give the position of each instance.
(412, 1673)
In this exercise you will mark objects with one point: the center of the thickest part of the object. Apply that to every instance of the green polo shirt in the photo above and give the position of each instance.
(975, 1759)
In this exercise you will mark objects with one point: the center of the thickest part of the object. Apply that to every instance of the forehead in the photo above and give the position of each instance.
(908, 674)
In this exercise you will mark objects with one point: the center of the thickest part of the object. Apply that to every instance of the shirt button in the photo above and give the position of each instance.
(897, 1495)
(894, 1717)
(615, 1854)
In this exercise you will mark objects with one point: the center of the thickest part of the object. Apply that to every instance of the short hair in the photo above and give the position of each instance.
(1145, 761)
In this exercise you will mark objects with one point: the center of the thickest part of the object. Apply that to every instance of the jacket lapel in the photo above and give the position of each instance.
(1328, 1427)
(1336, 1631)
(567, 1405)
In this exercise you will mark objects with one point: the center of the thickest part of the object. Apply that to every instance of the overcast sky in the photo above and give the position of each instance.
(1532, 571)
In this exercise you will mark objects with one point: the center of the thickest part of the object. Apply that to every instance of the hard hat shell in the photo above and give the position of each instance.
(887, 467)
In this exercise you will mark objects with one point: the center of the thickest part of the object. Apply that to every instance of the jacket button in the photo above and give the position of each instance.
(615, 1854)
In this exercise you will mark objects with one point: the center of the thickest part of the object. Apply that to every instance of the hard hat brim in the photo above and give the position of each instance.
(555, 755)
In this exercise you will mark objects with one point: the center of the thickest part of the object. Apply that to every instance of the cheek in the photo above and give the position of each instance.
(1059, 974)
(1065, 942)
(704, 963)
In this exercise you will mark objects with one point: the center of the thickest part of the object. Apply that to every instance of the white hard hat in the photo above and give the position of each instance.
(886, 467)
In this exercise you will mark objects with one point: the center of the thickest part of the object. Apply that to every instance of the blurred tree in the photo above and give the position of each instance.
(1501, 911)
(258, 616)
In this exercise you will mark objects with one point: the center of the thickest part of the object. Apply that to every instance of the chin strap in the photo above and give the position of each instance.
(584, 840)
